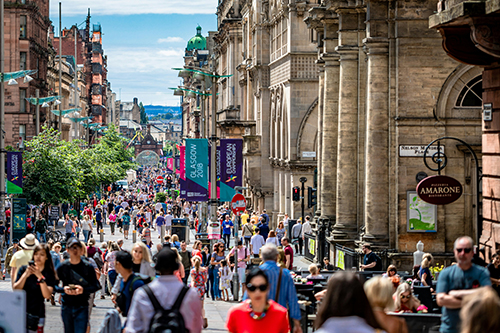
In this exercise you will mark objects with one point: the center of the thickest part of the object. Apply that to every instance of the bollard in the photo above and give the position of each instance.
(101, 235)
(162, 233)
(134, 236)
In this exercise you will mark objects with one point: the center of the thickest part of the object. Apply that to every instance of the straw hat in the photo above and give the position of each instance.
(29, 242)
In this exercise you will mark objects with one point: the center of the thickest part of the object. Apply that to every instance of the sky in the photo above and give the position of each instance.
(143, 40)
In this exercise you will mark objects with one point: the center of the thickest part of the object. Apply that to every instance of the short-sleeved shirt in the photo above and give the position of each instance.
(289, 251)
(239, 319)
(69, 226)
(21, 258)
(257, 242)
(126, 219)
(368, 259)
(34, 297)
(244, 218)
(226, 227)
(160, 220)
(428, 278)
(242, 254)
(454, 278)
(110, 258)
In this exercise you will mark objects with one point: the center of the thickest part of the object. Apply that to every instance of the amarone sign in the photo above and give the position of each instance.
(439, 190)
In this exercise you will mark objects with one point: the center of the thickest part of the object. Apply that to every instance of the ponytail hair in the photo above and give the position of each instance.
(197, 263)
(426, 260)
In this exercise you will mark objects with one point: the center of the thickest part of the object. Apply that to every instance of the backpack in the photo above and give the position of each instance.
(98, 259)
(164, 320)
(121, 299)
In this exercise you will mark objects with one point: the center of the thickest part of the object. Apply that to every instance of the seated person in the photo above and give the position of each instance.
(392, 274)
(404, 301)
(313, 269)
(326, 265)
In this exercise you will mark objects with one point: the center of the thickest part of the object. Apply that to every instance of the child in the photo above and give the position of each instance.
(225, 279)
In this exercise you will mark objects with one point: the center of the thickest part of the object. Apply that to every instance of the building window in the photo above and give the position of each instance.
(22, 61)
(471, 94)
(23, 26)
(22, 133)
(22, 100)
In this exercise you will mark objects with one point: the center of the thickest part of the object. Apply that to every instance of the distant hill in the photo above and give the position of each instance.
(154, 110)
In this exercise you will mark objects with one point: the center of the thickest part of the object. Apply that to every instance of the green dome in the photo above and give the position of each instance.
(198, 42)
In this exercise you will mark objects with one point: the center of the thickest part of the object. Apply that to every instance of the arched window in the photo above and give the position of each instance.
(471, 94)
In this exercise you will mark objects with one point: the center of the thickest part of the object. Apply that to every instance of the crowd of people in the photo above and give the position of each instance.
(161, 283)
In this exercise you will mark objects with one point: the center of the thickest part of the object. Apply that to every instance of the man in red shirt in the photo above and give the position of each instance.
(288, 252)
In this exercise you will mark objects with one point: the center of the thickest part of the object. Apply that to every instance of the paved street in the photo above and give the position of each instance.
(216, 311)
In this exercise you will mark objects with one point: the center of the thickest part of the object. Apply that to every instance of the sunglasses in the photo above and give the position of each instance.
(466, 250)
(403, 296)
(252, 288)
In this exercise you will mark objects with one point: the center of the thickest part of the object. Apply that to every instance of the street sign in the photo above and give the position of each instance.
(159, 180)
(238, 204)
(439, 190)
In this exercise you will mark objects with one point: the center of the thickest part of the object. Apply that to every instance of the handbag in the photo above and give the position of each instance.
(78, 229)
(32, 322)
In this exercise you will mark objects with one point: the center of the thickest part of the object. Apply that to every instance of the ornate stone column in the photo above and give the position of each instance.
(377, 141)
(321, 86)
(347, 175)
(328, 194)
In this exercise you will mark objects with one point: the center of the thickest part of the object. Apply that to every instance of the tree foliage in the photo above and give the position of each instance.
(56, 170)
(144, 116)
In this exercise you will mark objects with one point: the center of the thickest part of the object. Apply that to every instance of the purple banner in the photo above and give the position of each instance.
(14, 172)
(231, 167)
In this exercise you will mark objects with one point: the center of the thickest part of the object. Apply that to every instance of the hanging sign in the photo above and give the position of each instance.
(439, 190)
(14, 172)
(196, 159)
(231, 167)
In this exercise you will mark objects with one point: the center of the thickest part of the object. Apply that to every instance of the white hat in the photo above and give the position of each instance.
(29, 242)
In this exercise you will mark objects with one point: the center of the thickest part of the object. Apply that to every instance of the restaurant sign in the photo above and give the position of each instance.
(439, 190)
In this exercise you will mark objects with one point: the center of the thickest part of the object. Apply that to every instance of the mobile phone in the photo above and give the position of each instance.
(31, 263)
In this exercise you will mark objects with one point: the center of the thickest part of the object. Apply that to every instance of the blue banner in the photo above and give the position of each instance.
(14, 172)
(196, 159)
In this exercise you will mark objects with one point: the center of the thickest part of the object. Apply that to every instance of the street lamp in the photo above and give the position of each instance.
(213, 172)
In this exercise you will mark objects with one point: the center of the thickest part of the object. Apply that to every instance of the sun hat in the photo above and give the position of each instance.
(29, 242)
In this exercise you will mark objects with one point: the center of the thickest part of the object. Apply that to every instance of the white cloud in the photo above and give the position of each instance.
(143, 60)
(171, 40)
(132, 7)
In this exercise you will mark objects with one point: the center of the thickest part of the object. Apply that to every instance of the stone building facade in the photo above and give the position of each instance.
(271, 98)
(26, 48)
(471, 35)
(386, 87)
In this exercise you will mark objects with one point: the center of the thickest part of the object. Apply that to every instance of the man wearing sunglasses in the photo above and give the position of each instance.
(457, 281)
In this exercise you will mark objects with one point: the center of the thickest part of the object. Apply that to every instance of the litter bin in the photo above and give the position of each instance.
(180, 228)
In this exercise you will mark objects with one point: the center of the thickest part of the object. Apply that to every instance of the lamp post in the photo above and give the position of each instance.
(213, 137)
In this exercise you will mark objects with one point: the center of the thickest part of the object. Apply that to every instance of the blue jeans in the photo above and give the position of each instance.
(215, 285)
(41, 236)
(86, 234)
(75, 318)
(112, 277)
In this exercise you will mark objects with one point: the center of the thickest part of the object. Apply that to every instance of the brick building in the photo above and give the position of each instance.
(26, 47)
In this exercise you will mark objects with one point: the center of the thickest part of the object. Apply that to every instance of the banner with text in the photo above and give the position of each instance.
(196, 165)
(231, 167)
(177, 165)
(182, 171)
(170, 164)
(14, 172)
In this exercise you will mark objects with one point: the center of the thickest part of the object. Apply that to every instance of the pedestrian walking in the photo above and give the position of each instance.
(37, 279)
(162, 294)
(126, 223)
(185, 260)
(297, 240)
(256, 242)
(280, 232)
(129, 281)
(8, 257)
(281, 286)
(21, 258)
(112, 221)
(242, 258)
(86, 228)
(79, 281)
(110, 263)
(41, 229)
(272, 239)
(457, 281)
(258, 313)
(215, 261)
(199, 277)
(227, 227)
(225, 275)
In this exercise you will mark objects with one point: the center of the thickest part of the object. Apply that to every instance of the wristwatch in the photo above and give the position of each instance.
(42, 280)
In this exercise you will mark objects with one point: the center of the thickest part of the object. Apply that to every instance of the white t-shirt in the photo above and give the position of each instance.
(168, 220)
(86, 225)
(272, 240)
(158, 206)
(257, 242)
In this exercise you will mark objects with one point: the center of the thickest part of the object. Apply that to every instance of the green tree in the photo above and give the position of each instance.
(144, 116)
(50, 176)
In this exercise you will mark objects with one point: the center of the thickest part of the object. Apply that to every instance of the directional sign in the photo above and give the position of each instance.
(238, 204)
(159, 180)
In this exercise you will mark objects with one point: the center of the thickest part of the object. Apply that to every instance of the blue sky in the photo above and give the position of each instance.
(142, 39)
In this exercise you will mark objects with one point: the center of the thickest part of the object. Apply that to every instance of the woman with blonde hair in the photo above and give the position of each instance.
(481, 312)
(404, 301)
(379, 292)
(425, 273)
(142, 264)
(314, 270)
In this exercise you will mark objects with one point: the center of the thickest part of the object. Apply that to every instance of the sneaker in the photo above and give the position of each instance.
(103, 297)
